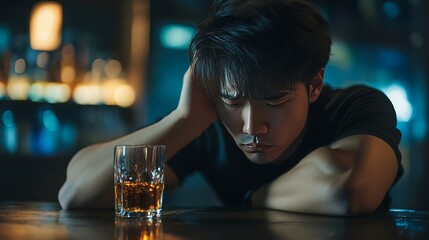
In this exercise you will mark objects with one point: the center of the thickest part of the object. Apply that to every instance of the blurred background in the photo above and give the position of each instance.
(76, 72)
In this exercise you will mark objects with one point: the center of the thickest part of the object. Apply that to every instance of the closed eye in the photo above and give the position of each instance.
(278, 102)
(232, 101)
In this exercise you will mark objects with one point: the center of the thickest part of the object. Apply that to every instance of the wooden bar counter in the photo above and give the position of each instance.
(46, 220)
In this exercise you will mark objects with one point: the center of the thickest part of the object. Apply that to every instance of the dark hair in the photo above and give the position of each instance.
(259, 46)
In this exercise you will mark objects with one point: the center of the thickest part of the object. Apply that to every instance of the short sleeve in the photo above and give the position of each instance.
(364, 110)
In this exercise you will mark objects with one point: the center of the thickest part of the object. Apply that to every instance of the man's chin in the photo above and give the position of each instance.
(263, 158)
(259, 158)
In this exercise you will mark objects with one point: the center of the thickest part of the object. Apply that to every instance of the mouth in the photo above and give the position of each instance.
(255, 147)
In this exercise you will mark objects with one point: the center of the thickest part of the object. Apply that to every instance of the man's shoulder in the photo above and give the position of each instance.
(345, 111)
(351, 91)
(358, 109)
(353, 95)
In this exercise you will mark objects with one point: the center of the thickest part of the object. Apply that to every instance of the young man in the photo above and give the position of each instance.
(256, 120)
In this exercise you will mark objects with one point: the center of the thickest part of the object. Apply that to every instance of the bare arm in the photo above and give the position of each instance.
(89, 182)
(350, 177)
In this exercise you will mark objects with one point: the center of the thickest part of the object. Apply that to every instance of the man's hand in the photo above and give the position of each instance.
(89, 181)
(194, 104)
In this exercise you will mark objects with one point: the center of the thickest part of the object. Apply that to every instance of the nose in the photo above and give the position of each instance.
(254, 122)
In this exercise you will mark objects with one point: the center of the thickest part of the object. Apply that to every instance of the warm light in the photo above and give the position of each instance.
(20, 65)
(45, 26)
(108, 90)
(2, 90)
(113, 68)
(124, 95)
(68, 51)
(68, 74)
(87, 93)
(68, 70)
(57, 92)
(17, 87)
(97, 69)
(118, 92)
(36, 91)
(42, 60)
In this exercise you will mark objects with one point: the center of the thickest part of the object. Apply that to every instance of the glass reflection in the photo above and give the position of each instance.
(138, 229)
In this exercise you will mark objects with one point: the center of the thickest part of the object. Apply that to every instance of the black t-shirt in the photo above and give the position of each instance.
(335, 115)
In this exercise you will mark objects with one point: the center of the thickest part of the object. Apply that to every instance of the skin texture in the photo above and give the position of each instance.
(247, 40)
(277, 123)
(89, 176)
(349, 177)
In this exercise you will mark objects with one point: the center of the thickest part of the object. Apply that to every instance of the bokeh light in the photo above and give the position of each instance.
(398, 97)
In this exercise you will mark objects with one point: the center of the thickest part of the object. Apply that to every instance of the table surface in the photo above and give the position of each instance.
(45, 220)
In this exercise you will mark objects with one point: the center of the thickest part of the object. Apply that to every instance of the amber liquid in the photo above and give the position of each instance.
(138, 196)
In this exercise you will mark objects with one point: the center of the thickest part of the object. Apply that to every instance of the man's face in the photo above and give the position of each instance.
(277, 120)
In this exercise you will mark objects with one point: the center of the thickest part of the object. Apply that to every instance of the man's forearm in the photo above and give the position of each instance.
(310, 187)
(89, 181)
(349, 177)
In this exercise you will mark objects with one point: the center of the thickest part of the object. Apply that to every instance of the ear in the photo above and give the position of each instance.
(316, 86)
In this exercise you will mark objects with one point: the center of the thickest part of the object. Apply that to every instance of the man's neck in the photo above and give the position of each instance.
(292, 148)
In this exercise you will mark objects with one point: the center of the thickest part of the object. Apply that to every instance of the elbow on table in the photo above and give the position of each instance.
(67, 197)
(363, 201)
(75, 195)
(70, 197)
(362, 207)
(349, 206)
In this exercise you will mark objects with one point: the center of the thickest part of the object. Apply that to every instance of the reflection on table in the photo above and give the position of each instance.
(40, 220)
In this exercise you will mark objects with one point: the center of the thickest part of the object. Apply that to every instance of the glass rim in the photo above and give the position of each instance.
(140, 145)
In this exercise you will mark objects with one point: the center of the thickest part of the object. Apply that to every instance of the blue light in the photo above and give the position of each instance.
(402, 210)
(4, 39)
(398, 97)
(391, 9)
(176, 36)
(10, 132)
(46, 142)
(7, 118)
(50, 121)
(391, 58)
(47, 137)
(68, 135)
